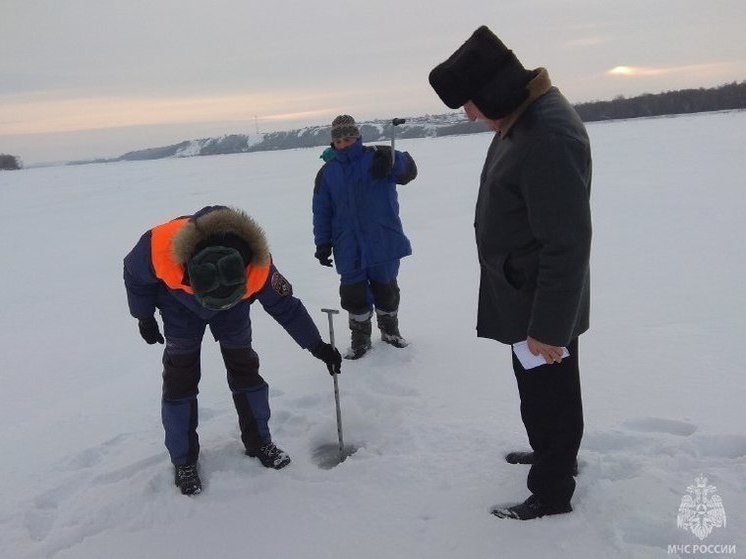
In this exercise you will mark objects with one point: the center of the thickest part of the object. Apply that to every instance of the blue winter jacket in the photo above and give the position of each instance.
(182, 313)
(357, 214)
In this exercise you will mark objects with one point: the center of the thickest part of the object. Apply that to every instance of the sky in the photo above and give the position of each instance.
(82, 79)
(84, 471)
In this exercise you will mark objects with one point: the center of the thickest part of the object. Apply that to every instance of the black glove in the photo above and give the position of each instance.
(323, 254)
(382, 163)
(149, 331)
(328, 355)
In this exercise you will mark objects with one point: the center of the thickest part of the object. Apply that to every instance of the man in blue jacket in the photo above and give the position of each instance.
(356, 217)
(205, 270)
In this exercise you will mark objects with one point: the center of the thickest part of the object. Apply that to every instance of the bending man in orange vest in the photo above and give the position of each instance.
(207, 269)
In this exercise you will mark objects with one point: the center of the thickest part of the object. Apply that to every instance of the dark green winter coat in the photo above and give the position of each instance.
(533, 223)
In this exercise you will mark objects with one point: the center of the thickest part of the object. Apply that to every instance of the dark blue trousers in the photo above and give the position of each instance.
(182, 370)
(363, 289)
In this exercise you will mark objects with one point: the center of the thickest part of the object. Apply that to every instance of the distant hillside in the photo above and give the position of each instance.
(373, 131)
(725, 97)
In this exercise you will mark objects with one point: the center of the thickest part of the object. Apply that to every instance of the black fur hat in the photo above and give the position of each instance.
(484, 71)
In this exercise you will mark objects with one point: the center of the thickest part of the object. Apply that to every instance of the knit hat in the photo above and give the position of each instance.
(344, 126)
(484, 71)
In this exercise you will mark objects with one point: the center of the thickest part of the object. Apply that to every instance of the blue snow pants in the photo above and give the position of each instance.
(361, 290)
(182, 370)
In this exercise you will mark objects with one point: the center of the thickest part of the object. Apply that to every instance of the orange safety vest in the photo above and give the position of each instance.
(171, 272)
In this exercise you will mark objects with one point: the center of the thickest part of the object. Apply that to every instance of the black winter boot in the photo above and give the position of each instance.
(360, 330)
(187, 479)
(388, 323)
(270, 456)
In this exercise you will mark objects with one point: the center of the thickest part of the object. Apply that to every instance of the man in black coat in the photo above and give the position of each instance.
(533, 233)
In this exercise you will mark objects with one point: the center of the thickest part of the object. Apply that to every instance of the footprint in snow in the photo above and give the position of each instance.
(660, 425)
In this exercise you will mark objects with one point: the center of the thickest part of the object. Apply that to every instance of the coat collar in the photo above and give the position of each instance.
(350, 153)
(537, 87)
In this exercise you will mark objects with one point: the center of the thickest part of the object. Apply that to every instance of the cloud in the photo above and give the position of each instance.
(585, 42)
(300, 115)
(49, 115)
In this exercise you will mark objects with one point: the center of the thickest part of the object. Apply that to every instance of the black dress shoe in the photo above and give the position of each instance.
(521, 457)
(529, 509)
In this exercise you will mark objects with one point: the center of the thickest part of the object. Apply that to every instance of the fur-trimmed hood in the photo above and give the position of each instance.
(220, 220)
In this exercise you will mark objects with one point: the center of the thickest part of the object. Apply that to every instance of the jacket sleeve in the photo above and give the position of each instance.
(277, 299)
(405, 169)
(555, 185)
(322, 211)
(139, 280)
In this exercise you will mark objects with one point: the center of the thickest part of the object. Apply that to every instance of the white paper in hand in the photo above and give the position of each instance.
(529, 360)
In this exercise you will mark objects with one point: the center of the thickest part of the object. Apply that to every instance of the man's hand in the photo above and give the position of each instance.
(382, 162)
(329, 355)
(323, 255)
(149, 331)
(550, 353)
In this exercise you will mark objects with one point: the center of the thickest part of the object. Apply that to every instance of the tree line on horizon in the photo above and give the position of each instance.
(10, 162)
(725, 97)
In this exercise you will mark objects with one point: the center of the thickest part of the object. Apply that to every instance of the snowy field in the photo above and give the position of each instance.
(84, 471)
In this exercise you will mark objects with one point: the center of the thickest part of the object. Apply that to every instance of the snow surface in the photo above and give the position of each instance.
(84, 471)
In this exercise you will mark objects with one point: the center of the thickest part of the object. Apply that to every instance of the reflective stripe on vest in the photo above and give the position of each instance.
(171, 272)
